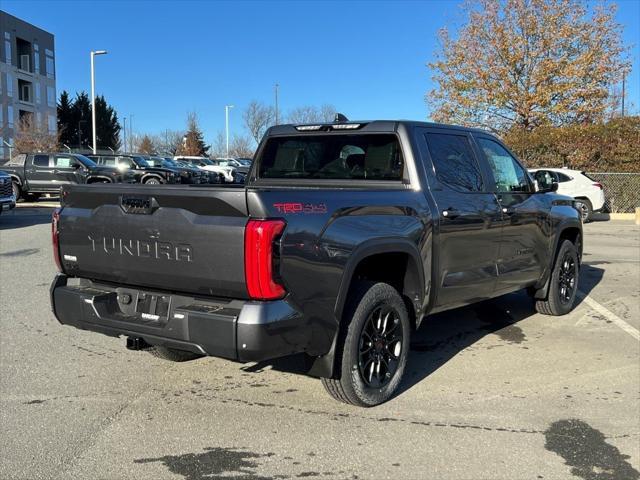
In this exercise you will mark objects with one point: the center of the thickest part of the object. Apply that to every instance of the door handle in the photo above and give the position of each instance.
(508, 210)
(450, 213)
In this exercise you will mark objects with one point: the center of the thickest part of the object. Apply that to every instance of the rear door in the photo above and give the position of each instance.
(39, 172)
(523, 245)
(469, 218)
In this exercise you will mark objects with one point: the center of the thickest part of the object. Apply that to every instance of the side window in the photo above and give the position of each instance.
(544, 178)
(64, 162)
(508, 173)
(41, 160)
(454, 162)
(562, 177)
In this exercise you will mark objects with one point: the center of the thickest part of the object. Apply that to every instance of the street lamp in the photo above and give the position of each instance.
(226, 116)
(93, 96)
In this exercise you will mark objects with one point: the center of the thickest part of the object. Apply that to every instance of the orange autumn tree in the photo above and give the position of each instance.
(527, 63)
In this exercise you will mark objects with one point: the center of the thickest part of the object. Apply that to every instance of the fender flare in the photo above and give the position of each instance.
(542, 292)
(372, 247)
(324, 366)
(147, 176)
(16, 178)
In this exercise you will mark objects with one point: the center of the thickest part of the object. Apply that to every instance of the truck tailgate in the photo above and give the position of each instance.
(173, 238)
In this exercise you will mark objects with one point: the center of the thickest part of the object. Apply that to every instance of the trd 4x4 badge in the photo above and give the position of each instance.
(298, 207)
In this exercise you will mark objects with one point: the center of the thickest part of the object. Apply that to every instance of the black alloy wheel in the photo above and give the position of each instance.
(380, 347)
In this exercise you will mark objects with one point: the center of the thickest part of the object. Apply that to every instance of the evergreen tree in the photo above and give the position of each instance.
(193, 142)
(66, 130)
(146, 145)
(74, 122)
(107, 126)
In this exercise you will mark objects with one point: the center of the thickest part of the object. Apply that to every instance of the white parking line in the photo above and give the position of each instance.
(609, 315)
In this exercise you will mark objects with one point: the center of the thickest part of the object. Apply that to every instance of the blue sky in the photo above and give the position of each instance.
(167, 58)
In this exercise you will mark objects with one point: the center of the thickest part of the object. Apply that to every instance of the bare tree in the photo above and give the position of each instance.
(241, 146)
(147, 145)
(312, 114)
(257, 118)
(219, 146)
(34, 137)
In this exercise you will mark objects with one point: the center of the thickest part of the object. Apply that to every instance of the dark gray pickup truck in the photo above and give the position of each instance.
(343, 238)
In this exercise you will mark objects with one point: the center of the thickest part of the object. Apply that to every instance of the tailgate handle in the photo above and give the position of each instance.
(138, 204)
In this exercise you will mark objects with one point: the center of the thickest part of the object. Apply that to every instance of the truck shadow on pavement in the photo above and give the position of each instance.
(21, 217)
(444, 335)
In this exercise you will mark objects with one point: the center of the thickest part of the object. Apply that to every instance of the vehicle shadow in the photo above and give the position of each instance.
(444, 335)
(21, 217)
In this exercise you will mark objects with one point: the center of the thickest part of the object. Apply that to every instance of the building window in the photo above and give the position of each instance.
(9, 85)
(51, 97)
(52, 124)
(49, 63)
(38, 95)
(36, 59)
(7, 47)
(10, 116)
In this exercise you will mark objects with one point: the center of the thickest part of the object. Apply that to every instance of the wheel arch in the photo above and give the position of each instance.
(406, 275)
(151, 175)
(568, 231)
(96, 178)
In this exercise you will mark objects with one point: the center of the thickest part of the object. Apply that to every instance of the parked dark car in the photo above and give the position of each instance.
(343, 239)
(187, 175)
(137, 165)
(7, 197)
(35, 174)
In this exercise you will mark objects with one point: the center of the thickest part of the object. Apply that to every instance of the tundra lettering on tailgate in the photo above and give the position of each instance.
(142, 248)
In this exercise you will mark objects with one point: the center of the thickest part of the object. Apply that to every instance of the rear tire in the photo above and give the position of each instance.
(172, 354)
(563, 285)
(585, 208)
(373, 347)
(152, 181)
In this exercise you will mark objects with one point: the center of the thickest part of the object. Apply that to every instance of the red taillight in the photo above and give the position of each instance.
(599, 185)
(259, 239)
(55, 238)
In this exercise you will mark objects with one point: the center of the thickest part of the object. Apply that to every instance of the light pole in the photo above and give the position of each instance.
(131, 133)
(226, 117)
(276, 89)
(124, 135)
(93, 96)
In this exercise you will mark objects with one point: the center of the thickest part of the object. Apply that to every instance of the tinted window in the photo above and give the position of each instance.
(508, 173)
(86, 161)
(333, 156)
(454, 162)
(562, 177)
(41, 160)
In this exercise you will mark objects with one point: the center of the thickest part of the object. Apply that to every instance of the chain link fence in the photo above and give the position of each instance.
(621, 191)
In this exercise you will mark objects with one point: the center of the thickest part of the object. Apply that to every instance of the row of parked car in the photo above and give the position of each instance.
(32, 175)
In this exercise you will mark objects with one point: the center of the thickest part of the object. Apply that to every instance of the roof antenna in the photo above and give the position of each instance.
(339, 118)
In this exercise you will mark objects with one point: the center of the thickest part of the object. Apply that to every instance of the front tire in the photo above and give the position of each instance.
(372, 353)
(563, 285)
(585, 208)
(173, 355)
(17, 191)
(152, 181)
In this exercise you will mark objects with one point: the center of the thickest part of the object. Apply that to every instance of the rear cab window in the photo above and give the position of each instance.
(332, 156)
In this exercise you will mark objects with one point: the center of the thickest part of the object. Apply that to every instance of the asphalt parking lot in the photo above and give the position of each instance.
(493, 391)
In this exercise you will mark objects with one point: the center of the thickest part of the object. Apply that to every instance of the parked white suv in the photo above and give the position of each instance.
(227, 173)
(574, 183)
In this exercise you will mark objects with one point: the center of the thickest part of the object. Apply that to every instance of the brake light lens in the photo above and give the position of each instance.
(599, 185)
(55, 238)
(259, 240)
